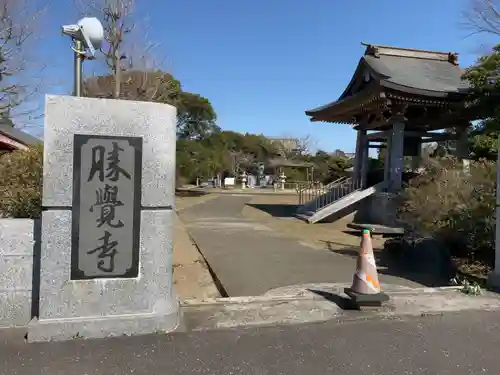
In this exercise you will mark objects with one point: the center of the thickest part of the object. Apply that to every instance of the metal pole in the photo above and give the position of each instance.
(77, 88)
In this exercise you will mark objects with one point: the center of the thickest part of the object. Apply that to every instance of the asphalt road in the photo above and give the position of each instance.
(459, 344)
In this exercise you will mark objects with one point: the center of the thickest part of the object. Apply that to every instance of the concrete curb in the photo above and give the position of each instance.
(307, 295)
(326, 304)
(241, 300)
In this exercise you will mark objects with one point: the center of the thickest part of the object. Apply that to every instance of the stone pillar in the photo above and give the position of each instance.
(397, 158)
(387, 161)
(365, 162)
(416, 160)
(359, 158)
(107, 223)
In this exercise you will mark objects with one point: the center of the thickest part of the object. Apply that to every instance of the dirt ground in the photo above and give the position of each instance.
(276, 211)
(192, 279)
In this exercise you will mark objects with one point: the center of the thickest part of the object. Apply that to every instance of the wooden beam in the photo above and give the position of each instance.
(383, 135)
(440, 137)
(377, 135)
(379, 122)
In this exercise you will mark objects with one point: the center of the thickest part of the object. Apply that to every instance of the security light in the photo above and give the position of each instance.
(89, 31)
(87, 35)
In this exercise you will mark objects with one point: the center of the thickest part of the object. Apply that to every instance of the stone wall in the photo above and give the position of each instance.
(18, 249)
(379, 208)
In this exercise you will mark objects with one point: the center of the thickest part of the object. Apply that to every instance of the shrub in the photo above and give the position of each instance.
(454, 206)
(21, 183)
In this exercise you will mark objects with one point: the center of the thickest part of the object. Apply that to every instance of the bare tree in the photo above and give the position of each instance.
(241, 161)
(134, 72)
(483, 16)
(140, 85)
(18, 85)
(140, 79)
(306, 144)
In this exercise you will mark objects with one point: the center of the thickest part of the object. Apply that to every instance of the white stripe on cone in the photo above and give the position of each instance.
(370, 259)
(363, 277)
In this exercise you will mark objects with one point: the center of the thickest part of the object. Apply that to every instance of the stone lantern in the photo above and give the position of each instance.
(243, 178)
(282, 179)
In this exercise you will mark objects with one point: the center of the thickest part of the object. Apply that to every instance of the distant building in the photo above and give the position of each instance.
(285, 144)
(337, 153)
(15, 139)
(340, 153)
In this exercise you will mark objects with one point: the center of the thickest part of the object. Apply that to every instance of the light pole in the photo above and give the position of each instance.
(79, 53)
(87, 36)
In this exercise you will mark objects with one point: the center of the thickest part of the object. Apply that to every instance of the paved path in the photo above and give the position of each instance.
(251, 259)
(459, 344)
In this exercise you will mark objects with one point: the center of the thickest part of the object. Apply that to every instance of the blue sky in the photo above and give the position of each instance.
(263, 62)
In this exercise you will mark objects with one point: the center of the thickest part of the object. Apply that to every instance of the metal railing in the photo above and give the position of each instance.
(305, 185)
(314, 189)
(296, 185)
(319, 198)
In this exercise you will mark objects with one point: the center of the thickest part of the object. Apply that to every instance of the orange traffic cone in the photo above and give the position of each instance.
(365, 289)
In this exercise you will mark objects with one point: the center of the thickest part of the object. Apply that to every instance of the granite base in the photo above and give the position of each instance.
(102, 327)
(494, 281)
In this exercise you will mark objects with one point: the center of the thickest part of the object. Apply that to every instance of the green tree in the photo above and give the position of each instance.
(484, 146)
(195, 116)
(327, 167)
(21, 173)
(484, 103)
(189, 158)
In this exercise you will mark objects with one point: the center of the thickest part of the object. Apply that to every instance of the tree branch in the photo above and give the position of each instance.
(18, 21)
(483, 16)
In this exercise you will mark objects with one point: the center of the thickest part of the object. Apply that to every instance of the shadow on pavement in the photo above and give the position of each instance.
(276, 210)
(351, 232)
(189, 193)
(343, 302)
(397, 267)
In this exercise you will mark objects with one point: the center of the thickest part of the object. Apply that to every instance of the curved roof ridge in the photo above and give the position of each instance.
(374, 50)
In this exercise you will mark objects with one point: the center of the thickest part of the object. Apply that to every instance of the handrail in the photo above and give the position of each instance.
(301, 185)
(337, 181)
(311, 184)
(319, 198)
(295, 185)
(307, 185)
(311, 192)
(332, 184)
(337, 192)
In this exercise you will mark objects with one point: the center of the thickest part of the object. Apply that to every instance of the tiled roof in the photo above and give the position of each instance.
(427, 74)
(19, 135)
